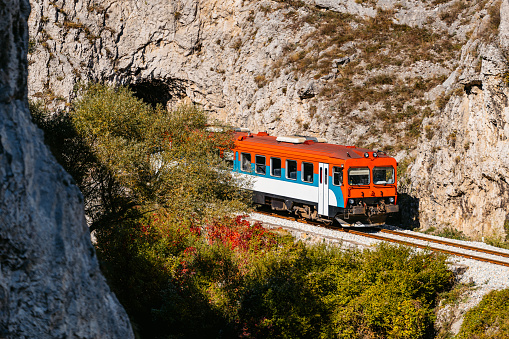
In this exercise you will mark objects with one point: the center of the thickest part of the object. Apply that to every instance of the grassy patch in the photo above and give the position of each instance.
(501, 241)
(373, 44)
(447, 232)
(456, 295)
(488, 320)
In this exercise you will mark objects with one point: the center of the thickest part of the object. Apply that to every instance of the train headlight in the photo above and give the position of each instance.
(375, 154)
(391, 200)
(351, 201)
(366, 155)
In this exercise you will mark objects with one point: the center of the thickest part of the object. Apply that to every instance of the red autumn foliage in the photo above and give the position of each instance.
(240, 235)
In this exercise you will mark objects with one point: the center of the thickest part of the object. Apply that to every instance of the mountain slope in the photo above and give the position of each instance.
(392, 75)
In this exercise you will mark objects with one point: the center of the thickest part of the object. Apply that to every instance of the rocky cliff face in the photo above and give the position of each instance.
(50, 283)
(256, 64)
(461, 169)
(400, 76)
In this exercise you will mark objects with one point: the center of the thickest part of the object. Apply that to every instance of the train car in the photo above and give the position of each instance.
(317, 180)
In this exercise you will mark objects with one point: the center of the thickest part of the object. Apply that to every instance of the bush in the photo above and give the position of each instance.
(182, 271)
(488, 320)
(448, 232)
(322, 292)
(180, 277)
(229, 278)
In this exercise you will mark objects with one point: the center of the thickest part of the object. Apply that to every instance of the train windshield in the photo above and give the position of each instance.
(358, 176)
(383, 175)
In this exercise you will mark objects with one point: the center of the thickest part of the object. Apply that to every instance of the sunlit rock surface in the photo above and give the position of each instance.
(234, 58)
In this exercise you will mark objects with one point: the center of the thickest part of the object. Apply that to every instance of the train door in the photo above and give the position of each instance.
(323, 189)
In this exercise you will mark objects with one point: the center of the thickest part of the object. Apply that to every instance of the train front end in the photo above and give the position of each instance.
(370, 190)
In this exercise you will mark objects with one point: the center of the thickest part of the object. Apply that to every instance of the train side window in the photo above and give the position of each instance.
(337, 176)
(358, 176)
(245, 162)
(291, 169)
(260, 164)
(275, 167)
(307, 172)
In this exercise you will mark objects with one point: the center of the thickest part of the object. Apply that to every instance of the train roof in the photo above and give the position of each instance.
(262, 139)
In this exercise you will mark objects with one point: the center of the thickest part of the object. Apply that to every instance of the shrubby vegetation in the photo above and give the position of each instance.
(489, 319)
(447, 232)
(124, 154)
(183, 266)
(500, 240)
(232, 279)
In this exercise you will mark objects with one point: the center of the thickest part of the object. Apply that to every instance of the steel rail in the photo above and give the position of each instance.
(408, 243)
(445, 242)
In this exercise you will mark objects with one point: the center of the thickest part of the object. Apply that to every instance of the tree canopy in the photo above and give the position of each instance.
(131, 154)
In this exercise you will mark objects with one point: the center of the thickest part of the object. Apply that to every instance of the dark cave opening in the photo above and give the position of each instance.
(469, 86)
(153, 92)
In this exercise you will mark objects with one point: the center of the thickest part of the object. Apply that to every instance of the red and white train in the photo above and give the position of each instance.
(317, 180)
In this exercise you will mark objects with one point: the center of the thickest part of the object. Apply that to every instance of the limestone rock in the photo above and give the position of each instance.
(50, 282)
(504, 25)
(233, 57)
(307, 91)
(460, 174)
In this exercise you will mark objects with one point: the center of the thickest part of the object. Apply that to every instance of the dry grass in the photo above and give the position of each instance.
(236, 44)
(75, 25)
(260, 80)
(378, 44)
(451, 138)
(452, 12)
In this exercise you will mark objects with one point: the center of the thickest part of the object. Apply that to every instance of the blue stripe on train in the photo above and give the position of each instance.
(336, 190)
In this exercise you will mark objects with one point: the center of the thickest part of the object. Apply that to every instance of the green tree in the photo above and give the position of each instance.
(124, 153)
(161, 159)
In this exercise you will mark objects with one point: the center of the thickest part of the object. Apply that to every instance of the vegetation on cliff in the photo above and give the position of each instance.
(489, 319)
(183, 269)
(123, 153)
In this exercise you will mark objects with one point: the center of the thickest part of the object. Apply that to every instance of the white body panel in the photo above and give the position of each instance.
(322, 195)
(284, 188)
(332, 199)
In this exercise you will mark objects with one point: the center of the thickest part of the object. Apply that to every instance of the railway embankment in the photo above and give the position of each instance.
(477, 278)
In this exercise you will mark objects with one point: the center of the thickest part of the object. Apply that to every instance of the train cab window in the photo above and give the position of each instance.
(337, 176)
(307, 172)
(291, 169)
(260, 164)
(245, 162)
(358, 176)
(383, 175)
(275, 167)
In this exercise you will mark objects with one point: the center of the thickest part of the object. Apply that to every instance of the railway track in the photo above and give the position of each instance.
(414, 240)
